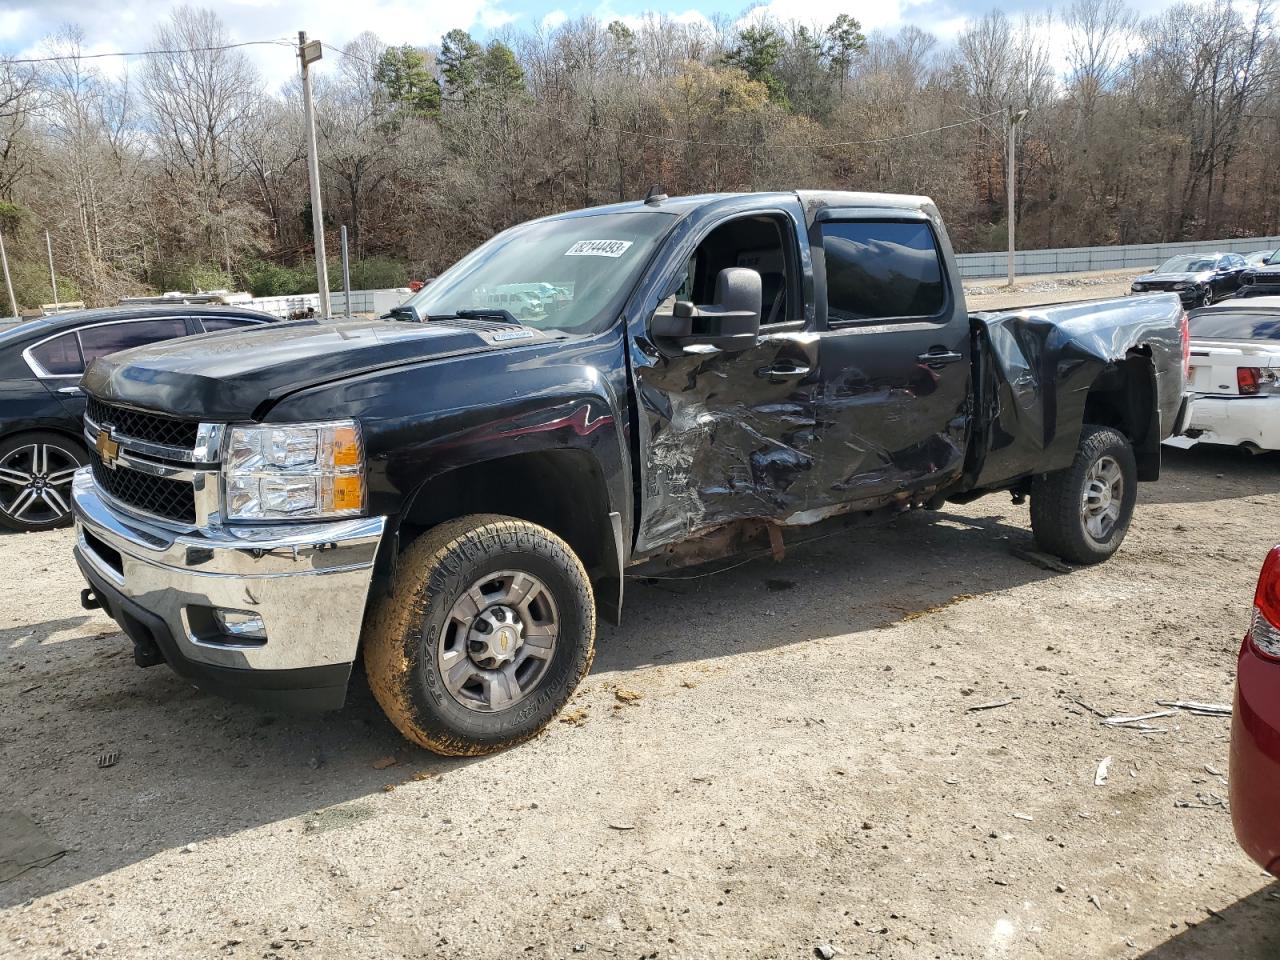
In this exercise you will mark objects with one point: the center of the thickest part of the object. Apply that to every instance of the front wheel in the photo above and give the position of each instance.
(1082, 513)
(489, 629)
(36, 470)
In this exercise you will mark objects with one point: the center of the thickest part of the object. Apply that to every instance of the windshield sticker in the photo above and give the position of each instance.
(598, 248)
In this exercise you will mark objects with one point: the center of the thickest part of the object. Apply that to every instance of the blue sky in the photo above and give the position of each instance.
(127, 25)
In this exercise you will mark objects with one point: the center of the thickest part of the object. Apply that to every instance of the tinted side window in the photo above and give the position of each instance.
(225, 323)
(59, 356)
(100, 341)
(879, 270)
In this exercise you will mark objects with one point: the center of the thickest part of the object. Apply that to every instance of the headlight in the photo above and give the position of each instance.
(297, 471)
(1138, 288)
(1181, 285)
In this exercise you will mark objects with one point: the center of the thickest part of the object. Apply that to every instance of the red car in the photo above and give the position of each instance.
(1255, 726)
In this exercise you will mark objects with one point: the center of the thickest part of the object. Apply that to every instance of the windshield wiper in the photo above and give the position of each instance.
(488, 313)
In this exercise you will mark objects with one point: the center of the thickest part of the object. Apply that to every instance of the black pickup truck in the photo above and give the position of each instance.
(456, 492)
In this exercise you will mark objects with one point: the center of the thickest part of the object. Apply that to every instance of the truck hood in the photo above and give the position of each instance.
(238, 375)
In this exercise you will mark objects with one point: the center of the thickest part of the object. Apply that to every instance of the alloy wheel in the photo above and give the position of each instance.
(499, 640)
(35, 483)
(1102, 499)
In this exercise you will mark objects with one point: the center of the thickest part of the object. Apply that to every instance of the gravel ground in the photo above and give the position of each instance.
(797, 764)
(1050, 288)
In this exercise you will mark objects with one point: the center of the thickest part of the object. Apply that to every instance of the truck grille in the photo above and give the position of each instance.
(148, 427)
(159, 496)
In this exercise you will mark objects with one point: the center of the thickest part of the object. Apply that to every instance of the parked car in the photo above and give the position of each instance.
(1261, 280)
(42, 407)
(1199, 279)
(1235, 375)
(710, 373)
(1254, 771)
(1258, 257)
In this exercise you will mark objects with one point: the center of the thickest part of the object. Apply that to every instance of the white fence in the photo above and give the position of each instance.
(1138, 257)
(376, 302)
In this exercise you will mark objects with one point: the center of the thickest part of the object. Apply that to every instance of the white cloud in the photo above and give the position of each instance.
(129, 26)
(554, 19)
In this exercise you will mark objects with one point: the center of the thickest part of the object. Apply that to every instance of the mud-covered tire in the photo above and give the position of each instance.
(402, 651)
(1059, 499)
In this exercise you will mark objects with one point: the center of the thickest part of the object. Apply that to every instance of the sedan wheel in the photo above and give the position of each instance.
(35, 481)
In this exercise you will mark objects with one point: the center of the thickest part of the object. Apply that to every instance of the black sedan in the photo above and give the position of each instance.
(1199, 279)
(41, 406)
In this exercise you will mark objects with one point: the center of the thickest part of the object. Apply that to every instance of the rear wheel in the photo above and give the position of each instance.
(36, 470)
(1082, 513)
(488, 631)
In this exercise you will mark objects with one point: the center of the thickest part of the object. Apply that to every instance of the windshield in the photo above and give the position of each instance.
(570, 275)
(1186, 265)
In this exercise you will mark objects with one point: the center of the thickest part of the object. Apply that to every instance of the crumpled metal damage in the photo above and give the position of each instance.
(1038, 366)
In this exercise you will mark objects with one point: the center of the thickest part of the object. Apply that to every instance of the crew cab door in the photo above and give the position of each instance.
(893, 354)
(726, 433)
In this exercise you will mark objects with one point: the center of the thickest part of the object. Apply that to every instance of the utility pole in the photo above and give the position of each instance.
(1011, 180)
(53, 277)
(8, 284)
(346, 272)
(309, 53)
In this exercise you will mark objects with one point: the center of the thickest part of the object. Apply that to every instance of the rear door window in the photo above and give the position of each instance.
(110, 338)
(226, 323)
(59, 357)
(1236, 326)
(881, 270)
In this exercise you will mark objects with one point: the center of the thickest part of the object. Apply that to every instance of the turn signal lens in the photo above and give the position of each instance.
(1248, 379)
(1264, 632)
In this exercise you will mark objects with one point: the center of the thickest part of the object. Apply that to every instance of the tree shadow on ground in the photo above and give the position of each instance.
(1249, 929)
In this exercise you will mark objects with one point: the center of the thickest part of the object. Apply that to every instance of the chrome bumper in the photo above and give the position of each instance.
(308, 582)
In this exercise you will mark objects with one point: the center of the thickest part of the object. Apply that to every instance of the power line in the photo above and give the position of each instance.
(723, 143)
(151, 53)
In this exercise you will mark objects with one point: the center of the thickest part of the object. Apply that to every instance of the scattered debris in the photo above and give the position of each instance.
(826, 951)
(1125, 721)
(388, 787)
(1043, 560)
(383, 762)
(109, 759)
(688, 684)
(623, 695)
(1211, 770)
(24, 846)
(31, 689)
(1023, 816)
(1094, 710)
(991, 705)
(1100, 776)
(189, 848)
(1194, 706)
(577, 716)
(622, 826)
(1203, 801)
(1093, 898)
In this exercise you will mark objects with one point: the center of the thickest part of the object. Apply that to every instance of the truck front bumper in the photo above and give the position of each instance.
(307, 583)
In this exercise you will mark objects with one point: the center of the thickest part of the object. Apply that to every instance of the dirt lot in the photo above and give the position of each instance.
(801, 768)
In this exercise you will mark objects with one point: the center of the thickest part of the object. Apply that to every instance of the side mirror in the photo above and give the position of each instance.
(731, 323)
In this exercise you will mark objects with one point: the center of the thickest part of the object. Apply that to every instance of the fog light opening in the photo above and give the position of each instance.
(240, 624)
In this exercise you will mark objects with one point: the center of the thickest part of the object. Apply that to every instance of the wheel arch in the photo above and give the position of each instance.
(563, 489)
(1125, 396)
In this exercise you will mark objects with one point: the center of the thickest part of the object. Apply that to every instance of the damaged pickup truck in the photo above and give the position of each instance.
(456, 492)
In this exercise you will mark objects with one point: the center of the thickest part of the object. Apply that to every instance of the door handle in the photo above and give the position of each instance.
(940, 359)
(73, 391)
(782, 370)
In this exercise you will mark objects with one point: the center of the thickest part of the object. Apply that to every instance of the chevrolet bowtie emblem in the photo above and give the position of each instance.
(108, 450)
